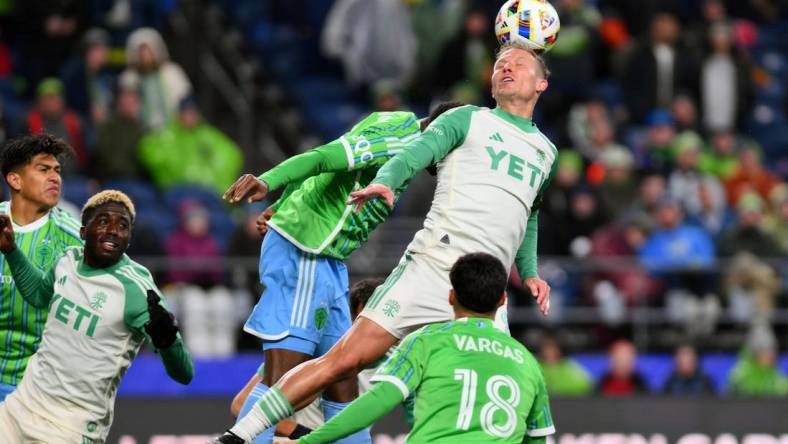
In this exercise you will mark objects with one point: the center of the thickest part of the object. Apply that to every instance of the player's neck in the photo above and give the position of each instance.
(24, 212)
(518, 107)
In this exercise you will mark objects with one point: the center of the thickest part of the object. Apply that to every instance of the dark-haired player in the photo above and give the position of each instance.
(104, 306)
(472, 382)
(31, 168)
(311, 231)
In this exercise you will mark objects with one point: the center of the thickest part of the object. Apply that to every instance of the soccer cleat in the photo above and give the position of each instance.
(228, 438)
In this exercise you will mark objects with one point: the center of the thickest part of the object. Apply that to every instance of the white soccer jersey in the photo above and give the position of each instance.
(94, 331)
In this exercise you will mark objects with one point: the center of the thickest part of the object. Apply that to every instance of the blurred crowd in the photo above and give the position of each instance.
(670, 118)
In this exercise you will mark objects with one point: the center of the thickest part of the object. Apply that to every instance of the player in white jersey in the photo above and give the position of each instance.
(103, 306)
(493, 166)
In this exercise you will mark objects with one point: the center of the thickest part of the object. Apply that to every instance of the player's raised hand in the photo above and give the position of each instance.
(375, 190)
(541, 291)
(246, 185)
(162, 327)
(7, 241)
(262, 220)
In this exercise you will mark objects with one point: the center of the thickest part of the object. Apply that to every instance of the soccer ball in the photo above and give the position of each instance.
(532, 23)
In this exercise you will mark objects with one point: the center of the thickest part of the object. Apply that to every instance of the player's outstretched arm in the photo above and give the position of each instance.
(162, 330)
(372, 191)
(34, 286)
(246, 185)
(361, 413)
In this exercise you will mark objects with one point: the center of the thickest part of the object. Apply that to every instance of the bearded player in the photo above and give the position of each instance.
(493, 167)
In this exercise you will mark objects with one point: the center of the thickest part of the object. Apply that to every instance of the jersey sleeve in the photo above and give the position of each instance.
(329, 157)
(525, 258)
(540, 420)
(444, 134)
(137, 281)
(35, 287)
(405, 367)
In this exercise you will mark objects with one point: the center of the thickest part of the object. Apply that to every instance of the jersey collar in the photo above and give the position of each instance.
(479, 322)
(525, 124)
(32, 226)
(88, 271)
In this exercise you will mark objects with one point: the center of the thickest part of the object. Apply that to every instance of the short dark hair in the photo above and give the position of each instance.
(362, 290)
(20, 151)
(437, 111)
(479, 280)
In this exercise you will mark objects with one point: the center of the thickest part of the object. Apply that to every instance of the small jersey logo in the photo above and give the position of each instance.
(540, 156)
(445, 239)
(321, 316)
(391, 308)
(62, 280)
(98, 300)
(496, 137)
(44, 254)
(92, 426)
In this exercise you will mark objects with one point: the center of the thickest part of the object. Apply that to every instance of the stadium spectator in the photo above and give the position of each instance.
(654, 153)
(713, 214)
(721, 161)
(675, 245)
(191, 151)
(657, 69)
(117, 141)
(563, 376)
(192, 240)
(87, 79)
(466, 61)
(684, 112)
(51, 28)
(756, 372)
(650, 191)
(750, 175)
(590, 128)
(726, 87)
(621, 378)
(752, 287)
(687, 377)
(51, 116)
(619, 187)
(162, 83)
(685, 180)
(777, 222)
(749, 234)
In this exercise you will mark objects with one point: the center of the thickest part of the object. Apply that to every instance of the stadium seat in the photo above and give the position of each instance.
(141, 192)
(78, 189)
(208, 198)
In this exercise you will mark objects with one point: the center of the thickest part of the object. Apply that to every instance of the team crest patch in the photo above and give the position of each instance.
(98, 300)
(540, 156)
(92, 426)
(321, 316)
(43, 255)
(391, 308)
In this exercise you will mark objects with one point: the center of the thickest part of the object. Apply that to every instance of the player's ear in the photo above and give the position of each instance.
(14, 180)
(541, 85)
(82, 233)
(452, 298)
(501, 301)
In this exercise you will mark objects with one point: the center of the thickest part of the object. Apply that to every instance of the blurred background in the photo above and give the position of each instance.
(664, 234)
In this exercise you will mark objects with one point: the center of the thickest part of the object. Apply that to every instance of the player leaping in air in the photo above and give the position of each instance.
(103, 308)
(311, 230)
(472, 382)
(493, 166)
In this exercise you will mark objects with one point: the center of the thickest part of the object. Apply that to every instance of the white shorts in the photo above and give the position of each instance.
(19, 425)
(415, 294)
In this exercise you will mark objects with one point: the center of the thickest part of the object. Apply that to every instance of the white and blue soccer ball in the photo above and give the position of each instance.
(531, 23)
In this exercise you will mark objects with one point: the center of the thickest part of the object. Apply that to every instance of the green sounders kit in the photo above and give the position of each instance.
(473, 384)
(21, 324)
(313, 213)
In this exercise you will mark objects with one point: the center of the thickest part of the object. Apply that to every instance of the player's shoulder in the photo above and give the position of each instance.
(5, 206)
(387, 122)
(135, 278)
(65, 221)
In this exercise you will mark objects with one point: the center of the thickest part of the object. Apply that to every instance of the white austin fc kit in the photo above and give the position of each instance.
(94, 330)
(492, 169)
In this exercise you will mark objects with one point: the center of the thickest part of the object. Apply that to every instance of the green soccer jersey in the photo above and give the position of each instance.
(21, 324)
(473, 384)
(313, 213)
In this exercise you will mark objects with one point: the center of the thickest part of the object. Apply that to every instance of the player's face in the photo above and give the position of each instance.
(107, 235)
(39, 181)
(517, 75)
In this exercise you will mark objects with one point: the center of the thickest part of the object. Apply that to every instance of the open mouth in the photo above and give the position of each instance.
(109, 244)
(507, 79)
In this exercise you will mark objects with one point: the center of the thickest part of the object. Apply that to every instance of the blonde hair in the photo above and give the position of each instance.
(107, 196)
(510, 45)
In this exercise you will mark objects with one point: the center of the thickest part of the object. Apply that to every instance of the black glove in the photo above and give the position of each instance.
(162, 327)
(299, 432)
(228, 438)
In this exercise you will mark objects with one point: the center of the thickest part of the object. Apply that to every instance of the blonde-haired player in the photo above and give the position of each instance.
(103, 306)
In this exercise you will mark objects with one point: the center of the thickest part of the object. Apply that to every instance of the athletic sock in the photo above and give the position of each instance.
(267, 437)
(331, 409)
(264, 414)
